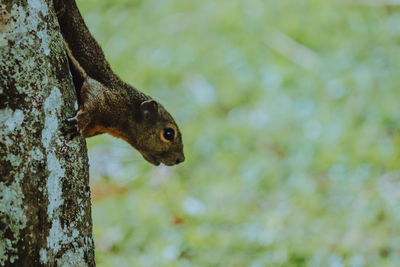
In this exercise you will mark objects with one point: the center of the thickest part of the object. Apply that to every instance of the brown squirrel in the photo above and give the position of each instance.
(109, 105)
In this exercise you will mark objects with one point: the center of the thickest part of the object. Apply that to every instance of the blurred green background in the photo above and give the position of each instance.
(290, 117)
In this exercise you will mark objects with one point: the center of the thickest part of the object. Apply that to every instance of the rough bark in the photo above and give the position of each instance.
(45, 213)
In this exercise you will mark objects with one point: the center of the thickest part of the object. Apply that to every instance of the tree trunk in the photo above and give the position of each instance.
(45, 213)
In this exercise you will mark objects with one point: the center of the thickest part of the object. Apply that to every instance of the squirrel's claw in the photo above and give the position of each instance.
(76, 126)
(70, 128)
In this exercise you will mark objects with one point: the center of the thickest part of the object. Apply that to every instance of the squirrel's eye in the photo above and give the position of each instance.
(169, 134)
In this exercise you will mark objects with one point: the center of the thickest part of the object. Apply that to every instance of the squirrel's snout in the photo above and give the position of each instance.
(181, 158)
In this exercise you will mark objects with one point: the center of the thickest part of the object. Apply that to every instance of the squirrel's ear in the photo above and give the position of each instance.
(149, 109)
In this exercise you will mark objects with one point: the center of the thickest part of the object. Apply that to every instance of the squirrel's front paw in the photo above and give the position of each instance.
(70, 128)
(77, 125)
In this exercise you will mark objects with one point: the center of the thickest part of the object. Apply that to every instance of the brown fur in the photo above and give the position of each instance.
(109, 105)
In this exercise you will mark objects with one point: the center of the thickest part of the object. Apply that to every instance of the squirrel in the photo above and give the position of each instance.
(109, 105)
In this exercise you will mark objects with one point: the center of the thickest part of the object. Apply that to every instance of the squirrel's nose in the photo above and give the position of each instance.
(180, 159)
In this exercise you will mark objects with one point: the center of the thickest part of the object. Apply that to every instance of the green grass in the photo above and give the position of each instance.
(290, 117)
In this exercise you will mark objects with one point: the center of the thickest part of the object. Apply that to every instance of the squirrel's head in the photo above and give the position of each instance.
(157, 136)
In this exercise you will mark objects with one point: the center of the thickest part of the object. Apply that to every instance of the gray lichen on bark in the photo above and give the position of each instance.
(45, 214)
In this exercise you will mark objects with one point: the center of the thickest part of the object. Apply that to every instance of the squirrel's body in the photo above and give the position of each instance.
(109, 105)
